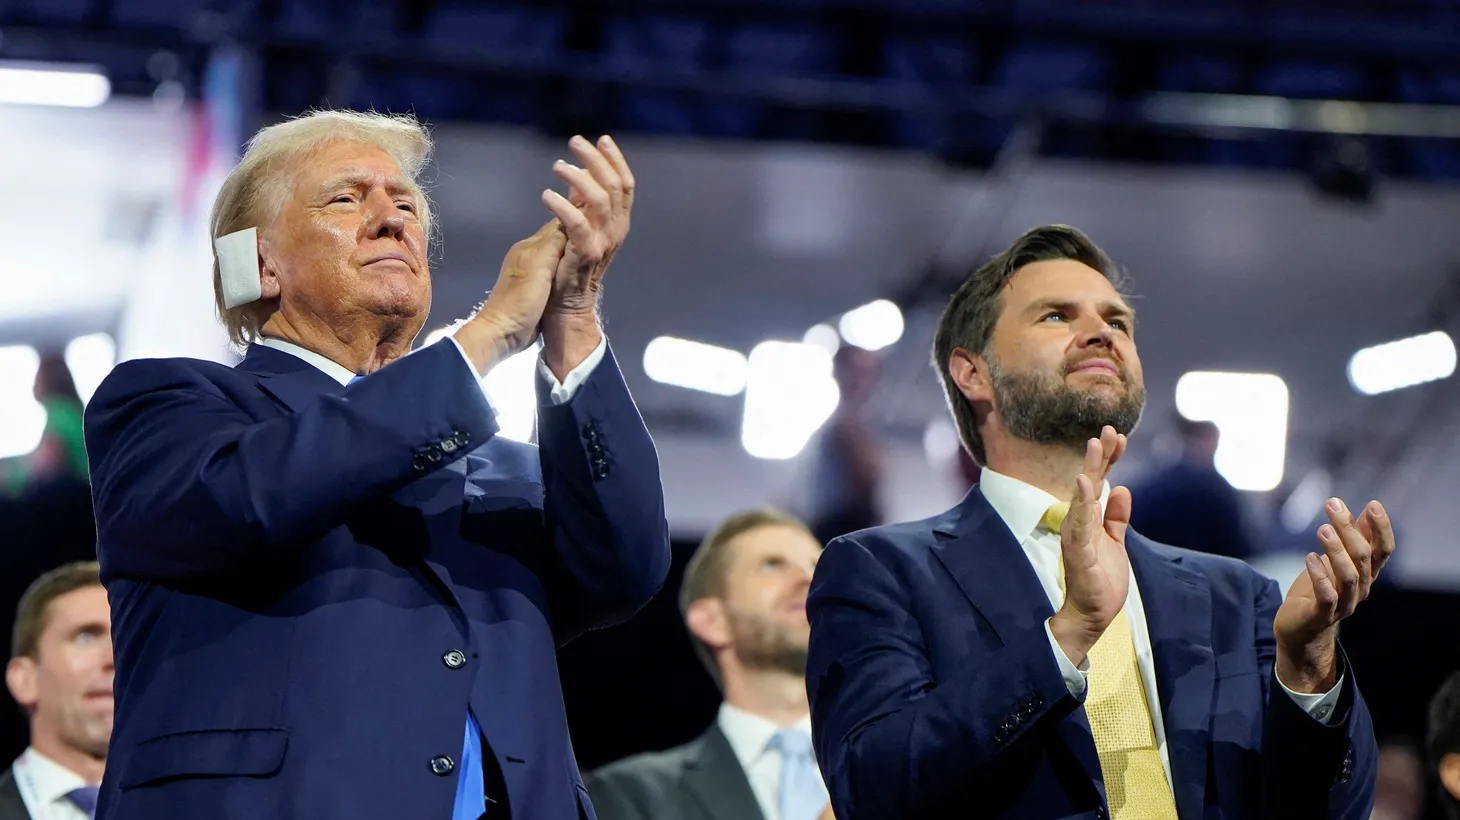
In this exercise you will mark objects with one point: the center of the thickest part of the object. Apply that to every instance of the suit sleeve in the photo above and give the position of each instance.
(603, 503)
(188, 484)
(892, 740)
(1309, 768)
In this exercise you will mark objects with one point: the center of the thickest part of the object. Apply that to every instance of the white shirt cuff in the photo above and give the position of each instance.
(1075, 676)
(1320, 707)
(563, 392)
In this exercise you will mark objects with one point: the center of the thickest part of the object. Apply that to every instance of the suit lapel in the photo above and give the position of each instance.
(292, 381)
(990, 566)
(716, 779)
(1178, 606)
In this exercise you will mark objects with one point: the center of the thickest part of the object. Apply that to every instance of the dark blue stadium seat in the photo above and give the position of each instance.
(1437, 86)
(929, 59)
(646, 41)
(324, 20)
(1202, 75)
(1046, 67)
(477, 29)
(656, 44)
(802, 50)
(1310, 80)
(63, 12)
(1435, 159)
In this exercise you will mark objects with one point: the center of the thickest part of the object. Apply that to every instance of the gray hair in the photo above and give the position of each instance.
(256, 190)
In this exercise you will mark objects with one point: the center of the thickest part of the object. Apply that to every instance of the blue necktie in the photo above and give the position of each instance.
(84, 798)
(471, 790)
(802, 795)
(353, 379)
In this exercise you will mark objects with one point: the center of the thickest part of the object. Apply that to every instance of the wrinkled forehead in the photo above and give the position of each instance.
(1064, 280)
(347, 164)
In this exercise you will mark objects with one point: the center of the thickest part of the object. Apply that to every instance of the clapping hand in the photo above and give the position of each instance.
(1354, 550)
(595, 217)
(1092, 547)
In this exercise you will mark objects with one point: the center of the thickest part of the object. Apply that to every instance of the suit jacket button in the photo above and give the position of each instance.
(442, 765)
(448, 445)
(460, 438)
(420, 463)
(434, 454)
(454, 659)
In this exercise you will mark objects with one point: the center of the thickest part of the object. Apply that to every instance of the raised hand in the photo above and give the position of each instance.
(1092, 547)
(509, 320)
(595, 217)
(1331, 588)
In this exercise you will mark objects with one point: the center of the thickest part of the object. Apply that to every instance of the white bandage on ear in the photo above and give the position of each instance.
(238, 267)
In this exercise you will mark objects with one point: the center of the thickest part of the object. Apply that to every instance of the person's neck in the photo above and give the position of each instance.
(87, 766)
(777, 696)
(1052, 468)
(362, 347)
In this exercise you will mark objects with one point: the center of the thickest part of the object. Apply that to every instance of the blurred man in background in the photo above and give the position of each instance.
(1188, 503)
(59, 461)
(60, 673)
(1443, 744)
(744, 602)
(848, 459)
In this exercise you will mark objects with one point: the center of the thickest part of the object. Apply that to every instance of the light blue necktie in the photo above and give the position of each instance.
(802, 795)
(353, 379)
(84, 798)
(471, 790)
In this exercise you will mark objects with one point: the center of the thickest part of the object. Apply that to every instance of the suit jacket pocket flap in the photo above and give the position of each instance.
(216, 752)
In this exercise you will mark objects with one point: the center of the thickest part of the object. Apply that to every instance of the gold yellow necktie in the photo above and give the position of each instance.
(1120, 717)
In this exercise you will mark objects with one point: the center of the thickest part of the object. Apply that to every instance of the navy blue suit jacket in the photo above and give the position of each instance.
(293, 565)
(935, 692)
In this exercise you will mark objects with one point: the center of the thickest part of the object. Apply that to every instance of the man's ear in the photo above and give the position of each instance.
(706, 620)
(20, 679)
(970, 371)
(268, 273)
(1450, 774)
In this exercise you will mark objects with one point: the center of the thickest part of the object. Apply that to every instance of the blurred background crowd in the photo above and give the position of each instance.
(1280, 179)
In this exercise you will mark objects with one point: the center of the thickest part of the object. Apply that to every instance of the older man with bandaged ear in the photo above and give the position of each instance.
(336, 592)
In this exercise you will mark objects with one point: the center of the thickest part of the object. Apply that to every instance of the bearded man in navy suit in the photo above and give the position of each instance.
(1028, 655)
(336, 592)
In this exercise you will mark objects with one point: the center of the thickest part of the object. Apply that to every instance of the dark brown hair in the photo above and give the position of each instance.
(968, 320)
(33, 614)
(704, 575)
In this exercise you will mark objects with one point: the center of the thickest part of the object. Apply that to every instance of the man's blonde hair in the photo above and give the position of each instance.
(255, 191)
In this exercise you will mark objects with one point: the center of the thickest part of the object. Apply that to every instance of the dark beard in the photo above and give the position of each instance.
(1045, 410)
(762, 644)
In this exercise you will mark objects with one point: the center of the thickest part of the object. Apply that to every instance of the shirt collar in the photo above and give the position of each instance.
(749, 734)
(1019, 504)
(51, 780)
(329, 367)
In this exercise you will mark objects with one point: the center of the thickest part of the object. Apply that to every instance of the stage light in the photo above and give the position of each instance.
(1251, 413)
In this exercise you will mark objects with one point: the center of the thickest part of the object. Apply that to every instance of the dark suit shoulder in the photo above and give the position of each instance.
(891, 541)
(654, 770)
(138, 376)
(12, 807)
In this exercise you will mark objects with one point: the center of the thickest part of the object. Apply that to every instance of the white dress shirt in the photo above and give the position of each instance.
(561, 392)
(749, 735)
(1021, 506)
(44, 785)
